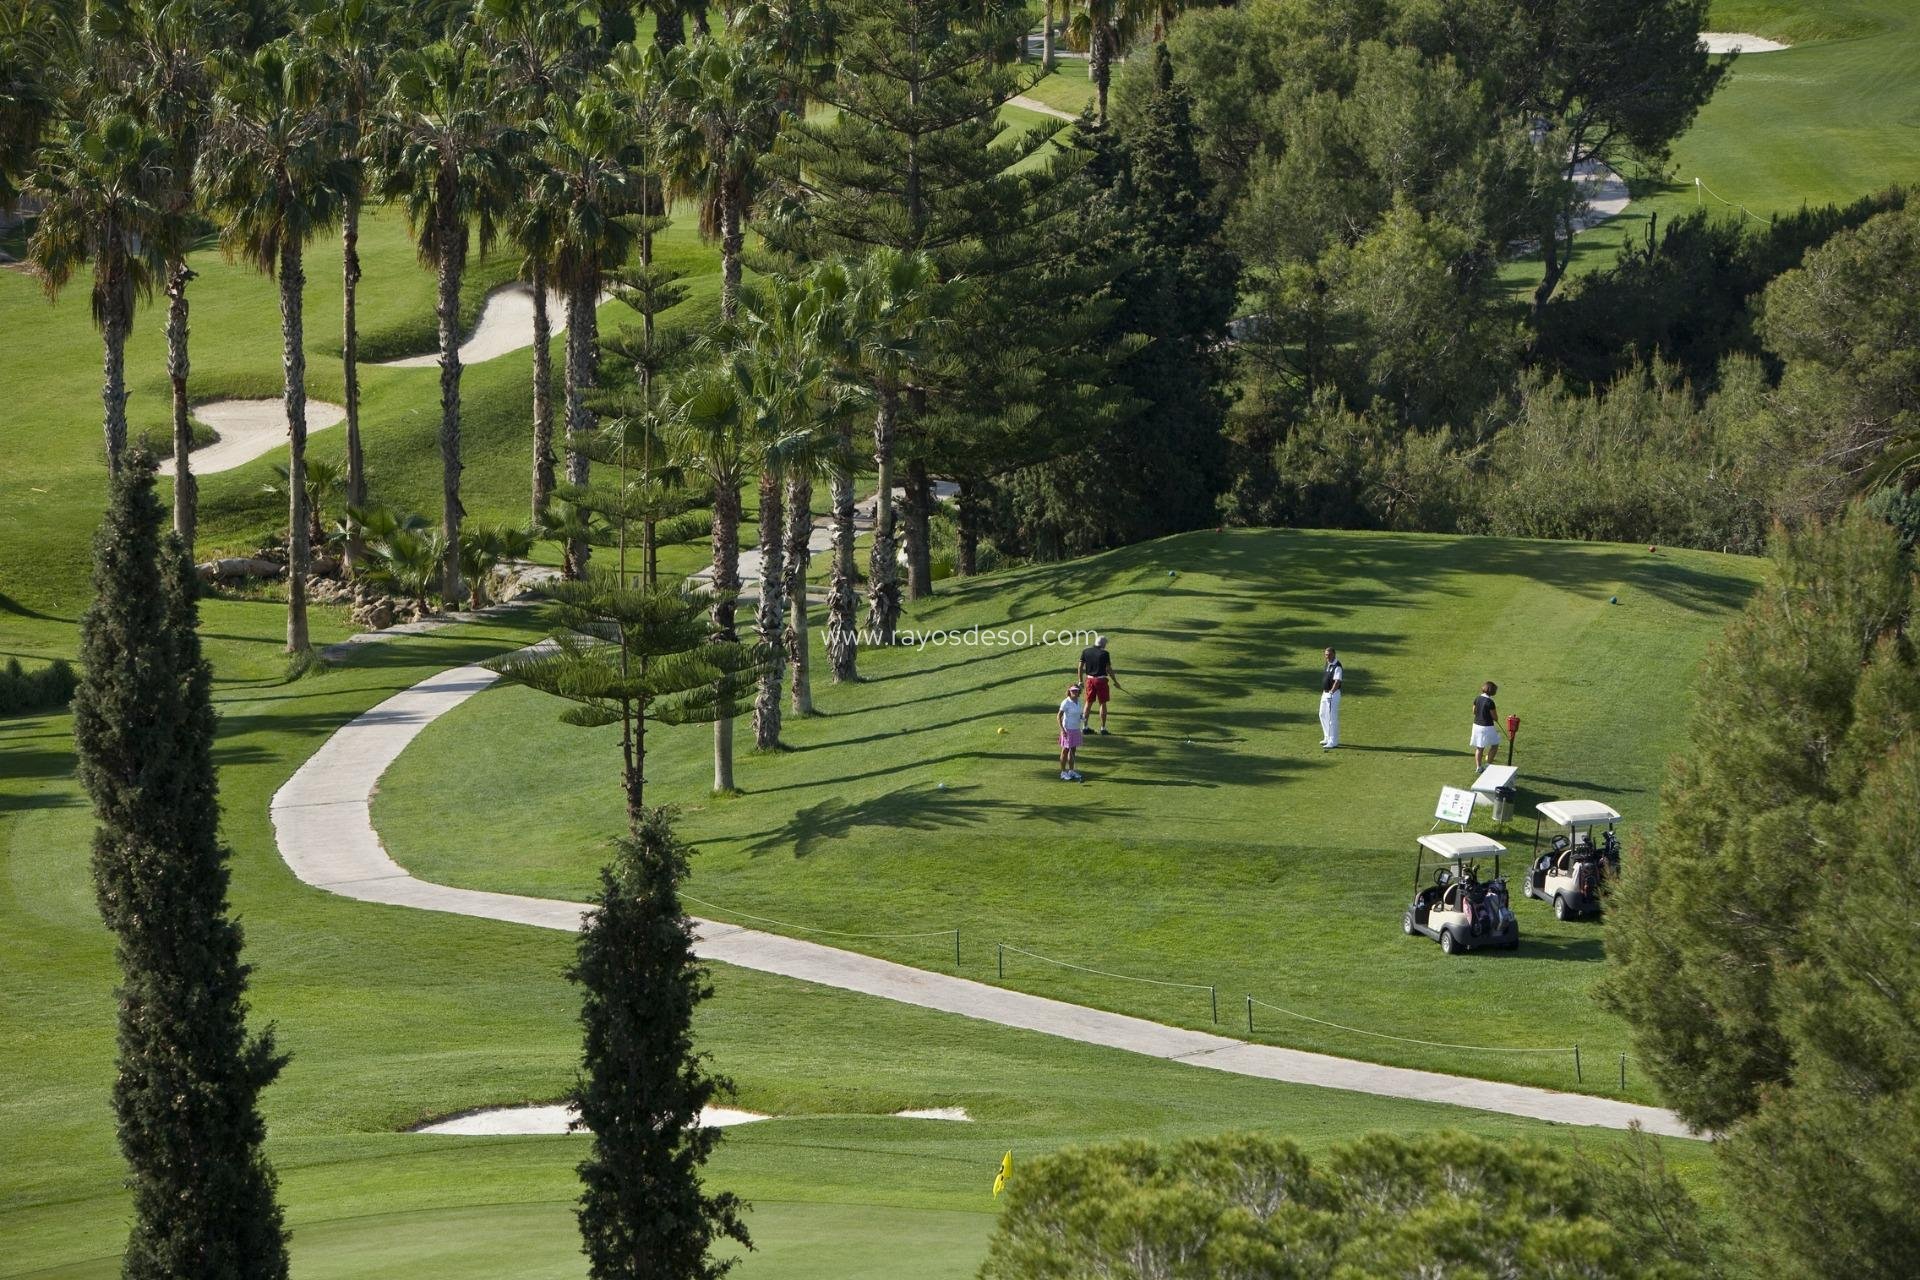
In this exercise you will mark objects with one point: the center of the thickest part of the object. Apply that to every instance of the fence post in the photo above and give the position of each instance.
(1623, 1071)
(1249, 1015)
(1577, 1077)
(1001, 962)
(1215, 993)
(956, 948)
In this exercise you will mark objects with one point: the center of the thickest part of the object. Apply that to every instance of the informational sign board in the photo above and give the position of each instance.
(1456, 805)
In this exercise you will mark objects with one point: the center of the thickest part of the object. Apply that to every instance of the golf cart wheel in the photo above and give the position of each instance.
(1447, 942)
(1512, 942)
(1561, 911)
(1406, 923)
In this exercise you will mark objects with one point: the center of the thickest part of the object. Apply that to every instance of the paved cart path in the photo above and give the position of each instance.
(324, 825)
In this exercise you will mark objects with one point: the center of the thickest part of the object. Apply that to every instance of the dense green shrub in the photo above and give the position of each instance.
(47, 688)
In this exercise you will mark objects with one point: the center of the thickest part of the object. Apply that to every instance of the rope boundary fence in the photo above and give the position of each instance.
(1700, 184)
(1212, 991)
(1382, 1035)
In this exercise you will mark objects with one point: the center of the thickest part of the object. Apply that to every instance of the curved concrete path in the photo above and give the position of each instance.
(324, 826)
(249, 428)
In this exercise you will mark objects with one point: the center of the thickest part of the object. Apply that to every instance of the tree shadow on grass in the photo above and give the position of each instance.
(917, 807)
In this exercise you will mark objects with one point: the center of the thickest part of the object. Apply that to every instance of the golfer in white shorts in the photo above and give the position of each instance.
(1486, 727)
(1330, 681)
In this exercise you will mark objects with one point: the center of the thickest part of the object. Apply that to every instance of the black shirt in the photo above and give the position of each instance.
(1095, 661)
(1332, 675)
(1483, 710)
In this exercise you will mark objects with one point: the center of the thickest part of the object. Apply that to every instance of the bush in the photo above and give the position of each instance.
(47, 689)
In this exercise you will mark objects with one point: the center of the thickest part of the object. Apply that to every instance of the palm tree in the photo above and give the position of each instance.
(728, 104)
(156, 61)
(590, 196)
(713, 434)
(36, 37)
(105, 191)
(893, 298)
(1104, 28)
(447, 155)
(783, 335)
(276, 167)
(541, 48)
(352, 35)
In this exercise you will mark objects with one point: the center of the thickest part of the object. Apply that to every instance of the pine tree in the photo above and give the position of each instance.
(910, 159)
(1708, 919)
(187, 1089)
(1159, 469)
(643, 1213)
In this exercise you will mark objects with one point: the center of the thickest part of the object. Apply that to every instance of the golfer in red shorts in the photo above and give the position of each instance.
(1096, 672)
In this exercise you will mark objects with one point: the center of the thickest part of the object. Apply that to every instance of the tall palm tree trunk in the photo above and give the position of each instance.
(1046, 39)
(293, 356)
(770, 615)
(726, 586)
(186, 490)
(113, 383)
(350, 369)
(883, 575)
(581, 298)
(542, 395)
(799, 557)
(919, 532)
(732, 245)
(843, 650)
(452, 255)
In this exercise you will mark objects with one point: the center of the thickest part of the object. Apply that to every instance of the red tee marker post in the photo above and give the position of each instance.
(1513, 731)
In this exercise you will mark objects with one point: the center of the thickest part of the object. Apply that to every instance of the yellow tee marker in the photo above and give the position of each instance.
(1006, 1172)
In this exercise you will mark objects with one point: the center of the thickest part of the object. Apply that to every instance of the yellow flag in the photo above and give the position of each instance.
(1006, 1172)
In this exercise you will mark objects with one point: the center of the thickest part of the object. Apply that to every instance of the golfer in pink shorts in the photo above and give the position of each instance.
(1073, 719)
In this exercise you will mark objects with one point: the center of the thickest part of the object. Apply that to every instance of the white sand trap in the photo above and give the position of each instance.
(506, 1121)
(937, 1113)
(249, 428)
(1739, 42)
(505, 324)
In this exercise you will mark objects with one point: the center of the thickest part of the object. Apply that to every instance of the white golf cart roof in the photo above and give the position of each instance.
(1461, 844)
(1577, 813)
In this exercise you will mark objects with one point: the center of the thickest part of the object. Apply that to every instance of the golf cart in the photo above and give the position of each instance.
(1458, 909)
(1570, 869)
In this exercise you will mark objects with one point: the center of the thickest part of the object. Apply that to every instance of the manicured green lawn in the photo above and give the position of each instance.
(1827, 121)
(50, 435)
(396, 1016)
(1213, 843)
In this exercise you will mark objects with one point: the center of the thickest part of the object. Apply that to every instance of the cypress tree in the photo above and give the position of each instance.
(187, 1090)
(643, 1213)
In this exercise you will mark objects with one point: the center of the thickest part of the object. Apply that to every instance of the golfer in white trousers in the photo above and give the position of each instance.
(1330, 702)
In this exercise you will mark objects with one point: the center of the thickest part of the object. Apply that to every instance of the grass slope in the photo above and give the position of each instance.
(1214, 843)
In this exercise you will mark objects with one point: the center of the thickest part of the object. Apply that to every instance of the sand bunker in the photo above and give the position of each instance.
(936, 1113)
(249, 428)
(1739, 41)
(504, 1121)
(505, 325)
